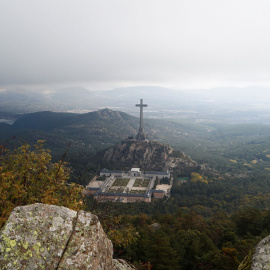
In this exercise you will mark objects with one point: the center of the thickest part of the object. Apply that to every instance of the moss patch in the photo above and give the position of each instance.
(246, 263)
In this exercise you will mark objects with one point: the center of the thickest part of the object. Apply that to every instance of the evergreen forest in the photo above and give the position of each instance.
(211, 221)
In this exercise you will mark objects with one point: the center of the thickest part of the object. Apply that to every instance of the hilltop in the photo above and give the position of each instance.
(147, 155)
(90, 132)
(240, 149)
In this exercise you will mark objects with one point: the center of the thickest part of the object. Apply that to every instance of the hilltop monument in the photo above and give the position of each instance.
(141, 135)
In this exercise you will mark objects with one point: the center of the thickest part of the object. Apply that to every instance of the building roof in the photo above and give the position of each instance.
(158, 191)
(93, 188)
(157, 173)
(135, 170)
(122, 194)
(110, 171)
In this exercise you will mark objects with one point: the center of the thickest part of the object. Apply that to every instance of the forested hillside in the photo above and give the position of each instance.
(233, 149)
(210, 222)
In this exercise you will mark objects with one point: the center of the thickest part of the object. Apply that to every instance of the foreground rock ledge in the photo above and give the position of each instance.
(259, 257)
(41, 236)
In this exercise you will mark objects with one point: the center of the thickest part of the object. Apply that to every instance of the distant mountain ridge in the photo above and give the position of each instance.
(92, 132)
(88, 133)
(230, 105)
(43, 120)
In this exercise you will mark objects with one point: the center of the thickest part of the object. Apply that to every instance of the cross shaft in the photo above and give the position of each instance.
(141, 105)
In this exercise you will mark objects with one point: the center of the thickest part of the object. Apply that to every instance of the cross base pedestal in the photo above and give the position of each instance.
(141, 135)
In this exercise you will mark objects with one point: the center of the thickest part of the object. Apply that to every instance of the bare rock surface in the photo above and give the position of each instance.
(261, 255)
(120, 264)
(41, 236)
(150, 156)
(258, 258)
(146, 155)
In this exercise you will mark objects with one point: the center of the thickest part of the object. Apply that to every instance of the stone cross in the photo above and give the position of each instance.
(141, 105)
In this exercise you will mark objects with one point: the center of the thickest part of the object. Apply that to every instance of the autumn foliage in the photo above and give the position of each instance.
(29, 176)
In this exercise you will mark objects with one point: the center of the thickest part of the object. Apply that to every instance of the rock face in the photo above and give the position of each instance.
(145, 155)
(149, 156)
(40, 236)
(258, 258)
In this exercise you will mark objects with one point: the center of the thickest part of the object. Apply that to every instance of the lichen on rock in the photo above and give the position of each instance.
(258, 258)
(120, 264)
(246, 263)
(34, 236)
(88, 246)
(41, 236)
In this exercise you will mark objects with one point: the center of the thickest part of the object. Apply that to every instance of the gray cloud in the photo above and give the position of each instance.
(174, 42)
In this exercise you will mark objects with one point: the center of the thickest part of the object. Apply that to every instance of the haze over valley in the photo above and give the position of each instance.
(153, 115)
(218, 105)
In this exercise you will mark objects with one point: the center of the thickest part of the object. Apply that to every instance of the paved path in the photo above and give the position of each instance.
(152, 183)
(131, 183)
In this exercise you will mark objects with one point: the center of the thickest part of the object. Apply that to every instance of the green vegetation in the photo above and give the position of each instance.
(210, 222)
(195, 177)
(101, 178)
(141, 183)
(120, 182)
(180, 180)
(203, 226)
(165, 181)
(218, 145)
(28, 176)
(190, 241)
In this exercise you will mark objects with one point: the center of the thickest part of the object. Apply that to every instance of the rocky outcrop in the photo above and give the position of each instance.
(147, 155)
(40, 236)
(258, 258)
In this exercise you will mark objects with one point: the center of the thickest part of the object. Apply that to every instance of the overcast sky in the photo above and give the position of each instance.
(104, 44)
